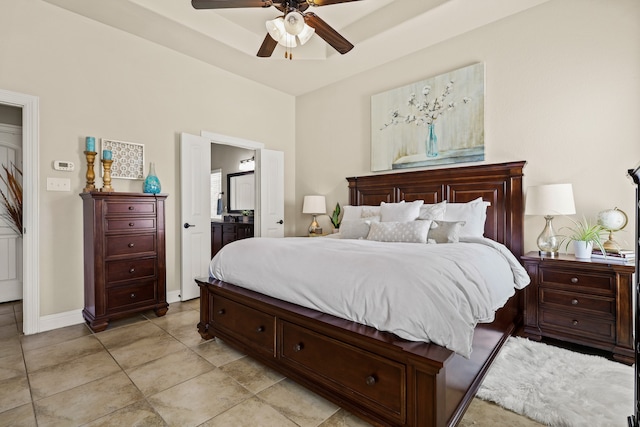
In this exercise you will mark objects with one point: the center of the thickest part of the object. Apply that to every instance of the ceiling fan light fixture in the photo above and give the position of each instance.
(276, 29)
(306, 34)
(294, 23)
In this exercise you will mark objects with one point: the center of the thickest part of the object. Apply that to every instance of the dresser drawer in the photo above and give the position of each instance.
(130, 295)
(131, 224)
(257, 329)
(590, 282)
(579, 324)
(132, 208)
(575, 301)
(380, 381)
(130, 269)
(130, 245)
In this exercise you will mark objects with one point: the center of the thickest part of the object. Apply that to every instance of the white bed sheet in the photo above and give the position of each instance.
(420, 292)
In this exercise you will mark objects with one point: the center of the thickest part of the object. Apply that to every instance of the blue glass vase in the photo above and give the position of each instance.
(432, 141)
(151, 182)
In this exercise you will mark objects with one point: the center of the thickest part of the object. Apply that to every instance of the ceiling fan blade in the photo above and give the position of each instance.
(227, 4)
(268, 46)
(326, 2)
(327, 33)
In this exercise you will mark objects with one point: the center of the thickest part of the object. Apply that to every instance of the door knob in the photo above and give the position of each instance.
(187, 225)
(280, 222)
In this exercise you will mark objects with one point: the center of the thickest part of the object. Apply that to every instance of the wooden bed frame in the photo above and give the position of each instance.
(376, 375)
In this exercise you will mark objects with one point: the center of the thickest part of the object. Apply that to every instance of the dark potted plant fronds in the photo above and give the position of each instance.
(11, 193)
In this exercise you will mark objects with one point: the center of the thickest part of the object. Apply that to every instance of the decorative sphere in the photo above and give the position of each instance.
(612, 219)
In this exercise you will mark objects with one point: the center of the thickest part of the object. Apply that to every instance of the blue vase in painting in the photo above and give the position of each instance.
(432, 141)
(151, 182)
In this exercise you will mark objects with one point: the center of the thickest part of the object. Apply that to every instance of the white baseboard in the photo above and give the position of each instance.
(74, 317)
(60, 320)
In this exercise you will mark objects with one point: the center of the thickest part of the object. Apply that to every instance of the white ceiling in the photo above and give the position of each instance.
(381, 30)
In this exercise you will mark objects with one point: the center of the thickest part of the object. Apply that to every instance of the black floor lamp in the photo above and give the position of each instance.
(634, 420)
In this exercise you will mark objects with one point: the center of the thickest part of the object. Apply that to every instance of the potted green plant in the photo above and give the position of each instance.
(246, 214)
(584, 236)
(335, 218)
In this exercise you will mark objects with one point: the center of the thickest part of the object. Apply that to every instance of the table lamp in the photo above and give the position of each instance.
(314, 205)
(549, 200)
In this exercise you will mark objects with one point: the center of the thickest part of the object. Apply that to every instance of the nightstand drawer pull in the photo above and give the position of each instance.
(132, 270)
(131, 208)
(371, 380)
(133, 295)
(260, 329)
(298, 347)
(575, 323)
(574, 302)
(131, 224)
(130, 245)
(222, 311)
(574, 280)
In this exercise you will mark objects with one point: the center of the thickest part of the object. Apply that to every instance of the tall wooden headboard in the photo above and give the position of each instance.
(500, 184)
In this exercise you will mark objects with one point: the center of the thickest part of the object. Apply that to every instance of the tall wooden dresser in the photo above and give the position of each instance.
(124, 256)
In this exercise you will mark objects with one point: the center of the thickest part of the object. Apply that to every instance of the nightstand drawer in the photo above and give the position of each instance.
(578, 302)
(590, 282)
(600, 329)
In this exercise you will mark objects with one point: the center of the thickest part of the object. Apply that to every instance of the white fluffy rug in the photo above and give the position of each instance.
(558, 387)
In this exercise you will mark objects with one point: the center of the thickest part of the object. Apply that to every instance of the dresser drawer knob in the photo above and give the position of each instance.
(575, 323)
(260, 329)
(133, 295)
(298, 347)
(221, 311)
(131, 224)
(371, 380)
(132, 270)
(574, 280)
(574, 302)
(131, 208)
(130, 245)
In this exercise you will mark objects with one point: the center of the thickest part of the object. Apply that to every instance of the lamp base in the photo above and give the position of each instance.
(314, 228)
(549, 254)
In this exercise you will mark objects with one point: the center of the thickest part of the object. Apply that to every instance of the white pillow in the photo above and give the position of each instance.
(473, 213)
(400, 212)
(355, 212)
(433, 211)
(445, 232)
(408, 232)
(356, 228)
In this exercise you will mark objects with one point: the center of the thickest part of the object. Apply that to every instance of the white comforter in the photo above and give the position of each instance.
(420, 292)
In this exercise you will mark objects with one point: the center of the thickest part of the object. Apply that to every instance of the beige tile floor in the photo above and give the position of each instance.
(150, 371)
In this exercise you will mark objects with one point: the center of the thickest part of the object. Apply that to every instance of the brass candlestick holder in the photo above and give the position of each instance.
(91, 176)
(107, 188)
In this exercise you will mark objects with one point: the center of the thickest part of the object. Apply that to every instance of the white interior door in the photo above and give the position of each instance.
(10, 241)
(195, 207)
(270, 176)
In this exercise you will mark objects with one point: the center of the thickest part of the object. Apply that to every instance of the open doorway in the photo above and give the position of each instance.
(30, 268)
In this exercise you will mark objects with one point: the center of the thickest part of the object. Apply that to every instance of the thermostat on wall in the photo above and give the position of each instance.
(60, 165)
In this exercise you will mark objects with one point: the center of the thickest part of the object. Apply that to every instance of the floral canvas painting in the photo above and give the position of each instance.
(435, 121)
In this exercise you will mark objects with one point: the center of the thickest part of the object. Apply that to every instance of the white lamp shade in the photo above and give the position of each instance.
(314, 205)
(306, 34)
(552, 199)
(294, 23)
(277, 29)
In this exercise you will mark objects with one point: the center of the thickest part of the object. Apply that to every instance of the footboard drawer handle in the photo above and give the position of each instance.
(574, 280)
(260, 329)
(221, 311)
(574, 301)
(575, 323)
(298, 347)
(371, 380)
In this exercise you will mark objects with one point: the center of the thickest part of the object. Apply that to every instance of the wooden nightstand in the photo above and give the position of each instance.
(587, 302)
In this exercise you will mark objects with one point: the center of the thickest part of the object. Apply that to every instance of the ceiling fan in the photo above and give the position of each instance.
(295, 24)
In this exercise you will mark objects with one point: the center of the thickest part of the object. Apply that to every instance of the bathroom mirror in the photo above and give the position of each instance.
(241, 194)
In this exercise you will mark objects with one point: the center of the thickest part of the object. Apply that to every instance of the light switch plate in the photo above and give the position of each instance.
(58, 184)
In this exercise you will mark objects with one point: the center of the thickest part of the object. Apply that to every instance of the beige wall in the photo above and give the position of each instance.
(562, 92)
(95, 80)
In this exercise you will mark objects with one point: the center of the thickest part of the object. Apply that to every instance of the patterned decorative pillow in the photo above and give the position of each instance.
(408, 232)
(400, 212)
(474, 213)
(357, 228)
(433, 211)
(369, 211)
(445, 231)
